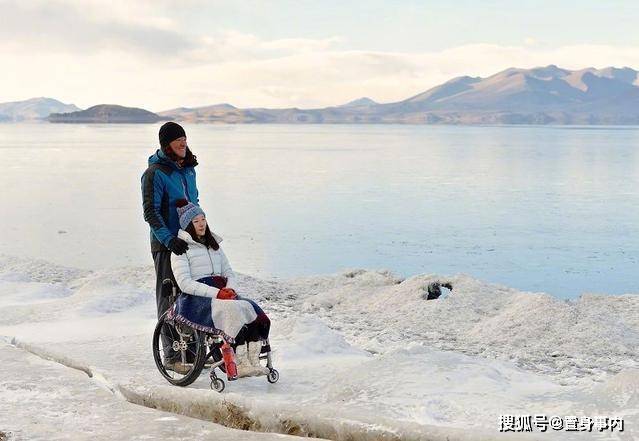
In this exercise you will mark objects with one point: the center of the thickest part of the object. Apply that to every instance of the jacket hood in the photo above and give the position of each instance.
(188, 239)
(159, 157)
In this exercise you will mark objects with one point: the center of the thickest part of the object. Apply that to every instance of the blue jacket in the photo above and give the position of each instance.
(163, 183)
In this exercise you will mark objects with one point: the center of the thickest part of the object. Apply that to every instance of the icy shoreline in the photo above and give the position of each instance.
(236, 412)
(357, 348)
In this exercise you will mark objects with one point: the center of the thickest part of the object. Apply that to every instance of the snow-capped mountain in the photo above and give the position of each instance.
(542, 95)
(33, 109)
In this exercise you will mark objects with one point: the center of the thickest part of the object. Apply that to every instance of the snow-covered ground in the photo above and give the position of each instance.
(361, 354)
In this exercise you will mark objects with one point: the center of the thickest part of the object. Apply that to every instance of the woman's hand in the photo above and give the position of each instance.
(226, 294)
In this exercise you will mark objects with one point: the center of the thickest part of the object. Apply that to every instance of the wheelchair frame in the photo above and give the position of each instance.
(208, 343)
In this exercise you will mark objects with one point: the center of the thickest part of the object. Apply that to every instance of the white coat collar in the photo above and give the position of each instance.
(188, 239)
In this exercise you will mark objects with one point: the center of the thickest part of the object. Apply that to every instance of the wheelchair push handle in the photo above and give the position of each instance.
(168, 281)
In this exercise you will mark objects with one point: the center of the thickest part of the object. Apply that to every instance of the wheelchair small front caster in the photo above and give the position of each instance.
(217, 384)
(273, 376)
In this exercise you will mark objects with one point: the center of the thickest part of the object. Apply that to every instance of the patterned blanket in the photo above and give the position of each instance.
(215, 316)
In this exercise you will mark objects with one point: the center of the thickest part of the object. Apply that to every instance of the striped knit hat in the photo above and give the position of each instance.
(187, 211)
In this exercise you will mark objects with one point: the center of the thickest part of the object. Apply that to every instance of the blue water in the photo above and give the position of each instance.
(552, 209)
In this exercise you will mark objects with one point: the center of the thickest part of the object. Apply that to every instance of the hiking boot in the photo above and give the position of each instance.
(243, 362)
(254, 350)
(178, 367)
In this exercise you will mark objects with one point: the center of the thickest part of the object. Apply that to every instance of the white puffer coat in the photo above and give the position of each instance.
(198, 262)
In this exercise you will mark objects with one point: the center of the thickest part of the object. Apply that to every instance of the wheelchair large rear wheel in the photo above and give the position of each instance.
(179, 351)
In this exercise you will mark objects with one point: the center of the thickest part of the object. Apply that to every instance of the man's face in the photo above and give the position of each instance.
(179, 146)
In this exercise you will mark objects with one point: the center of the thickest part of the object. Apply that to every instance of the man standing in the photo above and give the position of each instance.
(170, 176)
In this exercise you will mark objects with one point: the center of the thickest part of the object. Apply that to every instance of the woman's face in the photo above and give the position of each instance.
(199, 222)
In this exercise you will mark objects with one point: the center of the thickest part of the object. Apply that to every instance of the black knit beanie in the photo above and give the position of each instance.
(170, 131)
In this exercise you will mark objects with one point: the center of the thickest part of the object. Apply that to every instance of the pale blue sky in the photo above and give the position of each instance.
(160, 54)
(412, 25)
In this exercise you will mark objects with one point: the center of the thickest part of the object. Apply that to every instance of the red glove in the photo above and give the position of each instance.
(226, 294)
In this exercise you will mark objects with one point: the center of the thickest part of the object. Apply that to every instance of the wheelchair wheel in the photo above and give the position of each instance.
(217, 384)
(273, 376)
(179, 352)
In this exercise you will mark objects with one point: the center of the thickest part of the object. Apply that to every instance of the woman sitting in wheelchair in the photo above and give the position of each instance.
(208, 301)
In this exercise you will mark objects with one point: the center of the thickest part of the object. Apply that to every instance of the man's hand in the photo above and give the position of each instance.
(178, 246)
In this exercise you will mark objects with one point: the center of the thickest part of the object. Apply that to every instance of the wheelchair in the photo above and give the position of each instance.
(194, 350)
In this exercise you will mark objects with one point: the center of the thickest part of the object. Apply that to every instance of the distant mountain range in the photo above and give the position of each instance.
(542, 95)
(106, 113)
(32, 109)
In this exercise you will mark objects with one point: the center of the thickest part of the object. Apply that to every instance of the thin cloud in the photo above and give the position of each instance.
(144, 29)
(81, 28)
(88, 53)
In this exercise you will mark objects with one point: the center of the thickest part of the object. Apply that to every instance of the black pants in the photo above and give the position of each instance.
(162, 263)
(253, 332)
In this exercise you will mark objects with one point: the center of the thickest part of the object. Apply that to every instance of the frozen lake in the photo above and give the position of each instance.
(552, 209)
